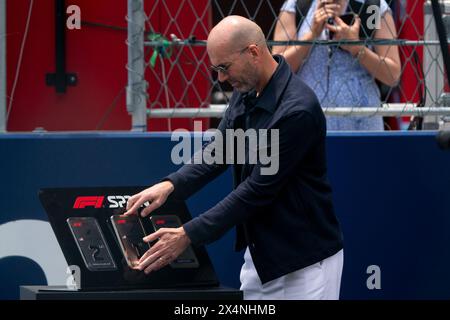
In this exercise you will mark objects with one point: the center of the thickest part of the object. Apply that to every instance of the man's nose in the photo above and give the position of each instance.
(222, 76)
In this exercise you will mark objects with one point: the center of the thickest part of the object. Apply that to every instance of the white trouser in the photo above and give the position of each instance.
(320, 281)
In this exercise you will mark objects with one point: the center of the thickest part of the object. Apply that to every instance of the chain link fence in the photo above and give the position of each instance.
(169, 74)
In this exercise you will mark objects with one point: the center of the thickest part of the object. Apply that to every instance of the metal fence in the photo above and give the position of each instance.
(169, 75)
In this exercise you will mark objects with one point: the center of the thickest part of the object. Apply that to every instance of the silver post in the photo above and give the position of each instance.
(137, 86)
(3, 100)
(432, 61)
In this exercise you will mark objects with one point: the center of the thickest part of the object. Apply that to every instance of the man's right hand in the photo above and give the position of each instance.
(156, 195)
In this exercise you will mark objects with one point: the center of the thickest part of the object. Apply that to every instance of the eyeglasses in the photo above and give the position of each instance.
(223, 68)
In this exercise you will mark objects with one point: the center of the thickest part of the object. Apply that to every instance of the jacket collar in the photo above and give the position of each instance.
(271, 94)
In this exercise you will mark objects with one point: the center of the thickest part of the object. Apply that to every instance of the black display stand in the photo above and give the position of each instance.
(57, 293)
(84, 214)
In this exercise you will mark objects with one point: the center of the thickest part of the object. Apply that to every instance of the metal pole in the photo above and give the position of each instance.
(271, 43)
(391, 109)
(432, 60)
(3, 99)
(442, 34)
(137, 86)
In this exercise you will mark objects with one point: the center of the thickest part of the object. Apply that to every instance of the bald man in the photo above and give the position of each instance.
(284, 220)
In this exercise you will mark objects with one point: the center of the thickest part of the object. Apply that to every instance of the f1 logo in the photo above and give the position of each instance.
(83, 202)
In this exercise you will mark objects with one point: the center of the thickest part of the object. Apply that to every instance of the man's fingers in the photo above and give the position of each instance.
(134, 204)
(129, 213)
(154, 236)
(133, 199)
(150, 208)
(155, 248)
(133, 208)
(147, 262)
(144, 256)
(157, 264)
(151, 259)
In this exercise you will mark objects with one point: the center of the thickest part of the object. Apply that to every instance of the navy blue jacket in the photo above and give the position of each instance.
(286, 219)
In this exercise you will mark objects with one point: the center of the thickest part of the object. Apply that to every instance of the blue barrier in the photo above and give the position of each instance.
(391, 190)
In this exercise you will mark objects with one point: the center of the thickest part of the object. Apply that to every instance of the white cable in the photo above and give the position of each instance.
(19, 63)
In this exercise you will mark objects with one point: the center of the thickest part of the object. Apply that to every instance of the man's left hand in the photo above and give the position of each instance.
(172, 242)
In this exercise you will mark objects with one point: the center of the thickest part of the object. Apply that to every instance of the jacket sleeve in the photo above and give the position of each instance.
(298, 132)
(194, 175)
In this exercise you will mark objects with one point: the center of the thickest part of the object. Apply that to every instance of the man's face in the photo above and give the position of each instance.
(235, 68)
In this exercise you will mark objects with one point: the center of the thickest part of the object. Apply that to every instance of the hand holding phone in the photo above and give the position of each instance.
(324, 15)
(348, 18)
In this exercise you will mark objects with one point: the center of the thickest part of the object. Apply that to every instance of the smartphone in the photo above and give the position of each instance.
(129, 232)
(187, 259)
(364, 31)
(348, 18)
(91, 243)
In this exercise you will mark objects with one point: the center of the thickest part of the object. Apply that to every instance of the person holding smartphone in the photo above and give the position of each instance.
(343, 75)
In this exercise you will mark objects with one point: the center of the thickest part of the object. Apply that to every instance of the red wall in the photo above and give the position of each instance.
(411, 27)
(98, 56)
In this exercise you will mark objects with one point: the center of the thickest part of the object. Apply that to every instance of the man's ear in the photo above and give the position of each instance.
(254, 50)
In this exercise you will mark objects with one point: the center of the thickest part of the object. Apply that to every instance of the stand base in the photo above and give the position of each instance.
(58, 293)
